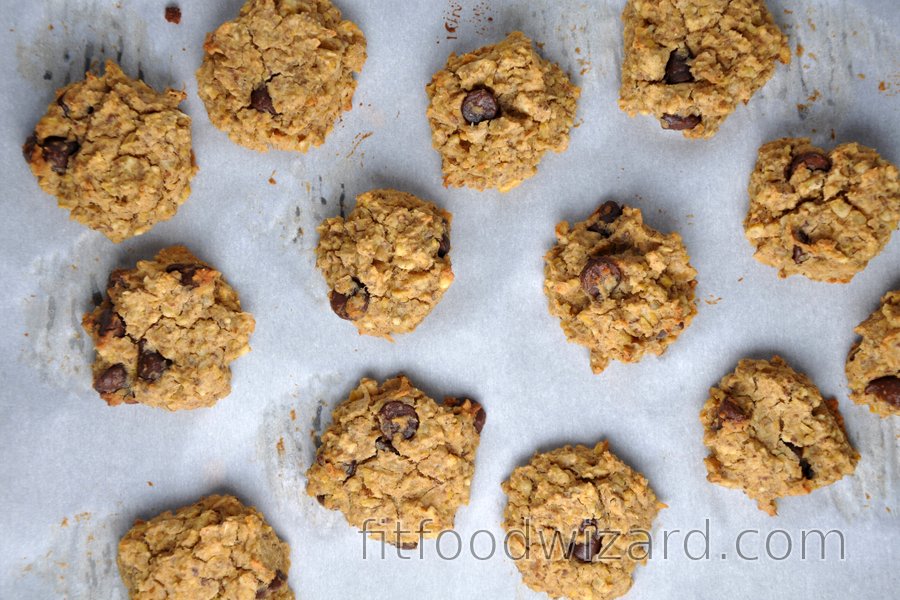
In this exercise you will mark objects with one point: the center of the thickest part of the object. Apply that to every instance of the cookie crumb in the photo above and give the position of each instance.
(280, 446)
(173, 14)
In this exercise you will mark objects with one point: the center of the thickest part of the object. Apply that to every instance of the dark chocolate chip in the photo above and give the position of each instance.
(28, 147)
(600, 277)
(61, 102)
(609, 211)
(444, 247)
(813, 161)
(350, 306)
(111, 323)
(480, 418)
(801, 236)
(111, 380)
(590, 542)
(57, 152)
(799, 255)
(729, 410)
(350, 468)
(173, 14)
(886, 388)
(186, 272)
(384, 445)
(806, 470)
(116, 278)
(151, 364)
(321, 499)
(398, 417)
(276, 584)
(261, 100)
(409, 545)
(679, 123)
(479, 105)
(677, 68)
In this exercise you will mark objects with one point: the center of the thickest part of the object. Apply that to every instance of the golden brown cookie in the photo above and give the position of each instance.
(873, 365)
(281, 73)
(166, 334)
(115, 153)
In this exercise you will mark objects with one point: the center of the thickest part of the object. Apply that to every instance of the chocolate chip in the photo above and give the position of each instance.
(28, 147)
(886, 388)
(729, 410)
(409, 545)
(57, 152)
(384, 445)
(444, 247)
(479, 105)
(677, 68)
(116, 279)
(679, 123)
(151, 364)
(600, 277)
(186, 272)
(61, 102)
(480, 418)
(276, 584)
(350, 468)
(799, 255)
(391, 420)
(350, 306)
(111, 323)
(261, 100)
(606, 214)
(801, 236)
(805, 468)
(589, 545)
(813, 161)
(111, 380)
(173, 14)
(321, 499)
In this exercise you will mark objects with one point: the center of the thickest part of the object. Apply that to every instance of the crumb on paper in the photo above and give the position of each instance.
(811, 24)
(359, 139)
(64, 522)
(812, 55)
(861, 75)
(713, 300)
(882, 86)
(740, 280)
(293, 415)
(173, 14)
(272, 179)
(280, 446)
(788, 11)
(799, 49)
(815, 96)
(150, 484)
(833, 134)
(81, 517)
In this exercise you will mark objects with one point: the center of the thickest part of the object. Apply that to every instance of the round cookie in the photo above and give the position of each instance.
(387, 263)
(821, 215)
(115, 153)
(166, 333)
(873, 365)
(281, 73)
(215, 548)
(578, 522)
(771, 434)
(690, 64)
(619, 288)
(496, 111)
(395, 462)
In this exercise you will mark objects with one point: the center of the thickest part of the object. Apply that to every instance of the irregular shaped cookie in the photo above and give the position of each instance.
(771, 434)
(578, 521)
(873, 365)
(395, 462)
(115, 153)
(281, 73)
(822, 215)
(689, 64)
(166, 333)
(216, 548)
(387, 263)
(496, 111)
(619, 288)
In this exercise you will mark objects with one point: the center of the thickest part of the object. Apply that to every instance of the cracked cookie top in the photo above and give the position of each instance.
(873, 365)
(820, 214)
(771, 434)
(281, 73)
(387, 263)
(216, 548)
(115, 153)
(166, 333)
(690, 63)
(496, 111)
(397, 463)
(620, 288)
(578, 521)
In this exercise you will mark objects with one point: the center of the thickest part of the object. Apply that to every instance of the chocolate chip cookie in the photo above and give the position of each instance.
(215, 548)
(578, 521)
(620, 288)
(166, 333)
(496, 111)
(821, 214)
(771, 434)
(387, 263)
(115, 153)
(397, 463)
(873, 365)
(281, 73)
(690, 64)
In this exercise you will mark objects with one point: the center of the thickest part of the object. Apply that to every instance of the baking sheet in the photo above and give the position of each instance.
(74, 473)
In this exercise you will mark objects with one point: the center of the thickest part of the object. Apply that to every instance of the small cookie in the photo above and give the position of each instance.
(496, 111)
(281, 73)
(578, 522)
(397, 463)
(620, 288)
(690, 64)
(873, 365)
(771, 434)
(822, 215)
(115, 153)
(387, 263)
(215, 548)
(166, 333)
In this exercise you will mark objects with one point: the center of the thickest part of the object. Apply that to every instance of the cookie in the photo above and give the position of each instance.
(216, 548)
(690, 64)
(821, 215)
(166, 333)
(578, 522)
(281, 73)
(873, 365)
(771, 434)
(495, 112)
(387, 263)
(115, 153)
(397, 463)
(620, 288)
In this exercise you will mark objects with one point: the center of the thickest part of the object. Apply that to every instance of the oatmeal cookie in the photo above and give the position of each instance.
(873, 365)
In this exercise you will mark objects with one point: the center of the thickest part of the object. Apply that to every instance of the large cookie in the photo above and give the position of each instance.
(822, 215)
(496, 111)
(281, 73)
(873, 365)
(115, 153)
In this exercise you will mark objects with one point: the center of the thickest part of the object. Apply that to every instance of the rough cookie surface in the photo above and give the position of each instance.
(166, 333)
(496, 111)
(216, 549)
(873, 365)
(690, 63)
(771, 434)
(281, 73)
(619, 288)
(115, 153)
(388, 263)
(394, 458)
(822, 215)
(598, 511)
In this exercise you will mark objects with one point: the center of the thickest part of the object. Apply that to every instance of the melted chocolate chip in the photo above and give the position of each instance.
(600, 277)
(444, 247)
(111, 323)
(398, 417)
(805, 468)
(679, 123)
(677, 68)
(480, 418)
(57, 152)
(729, 410)
(886, 388)
(799, 256)
(276, 584)
(116, 279)
(606, 215)
(350, 306)
(28, 147)
(261, 101)
(151, 364)
(813, 161)
(61, 102)
(186, 272)
(111, 380)
(384, 445)
(350, 468)
(588, 545)
(479, 105)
